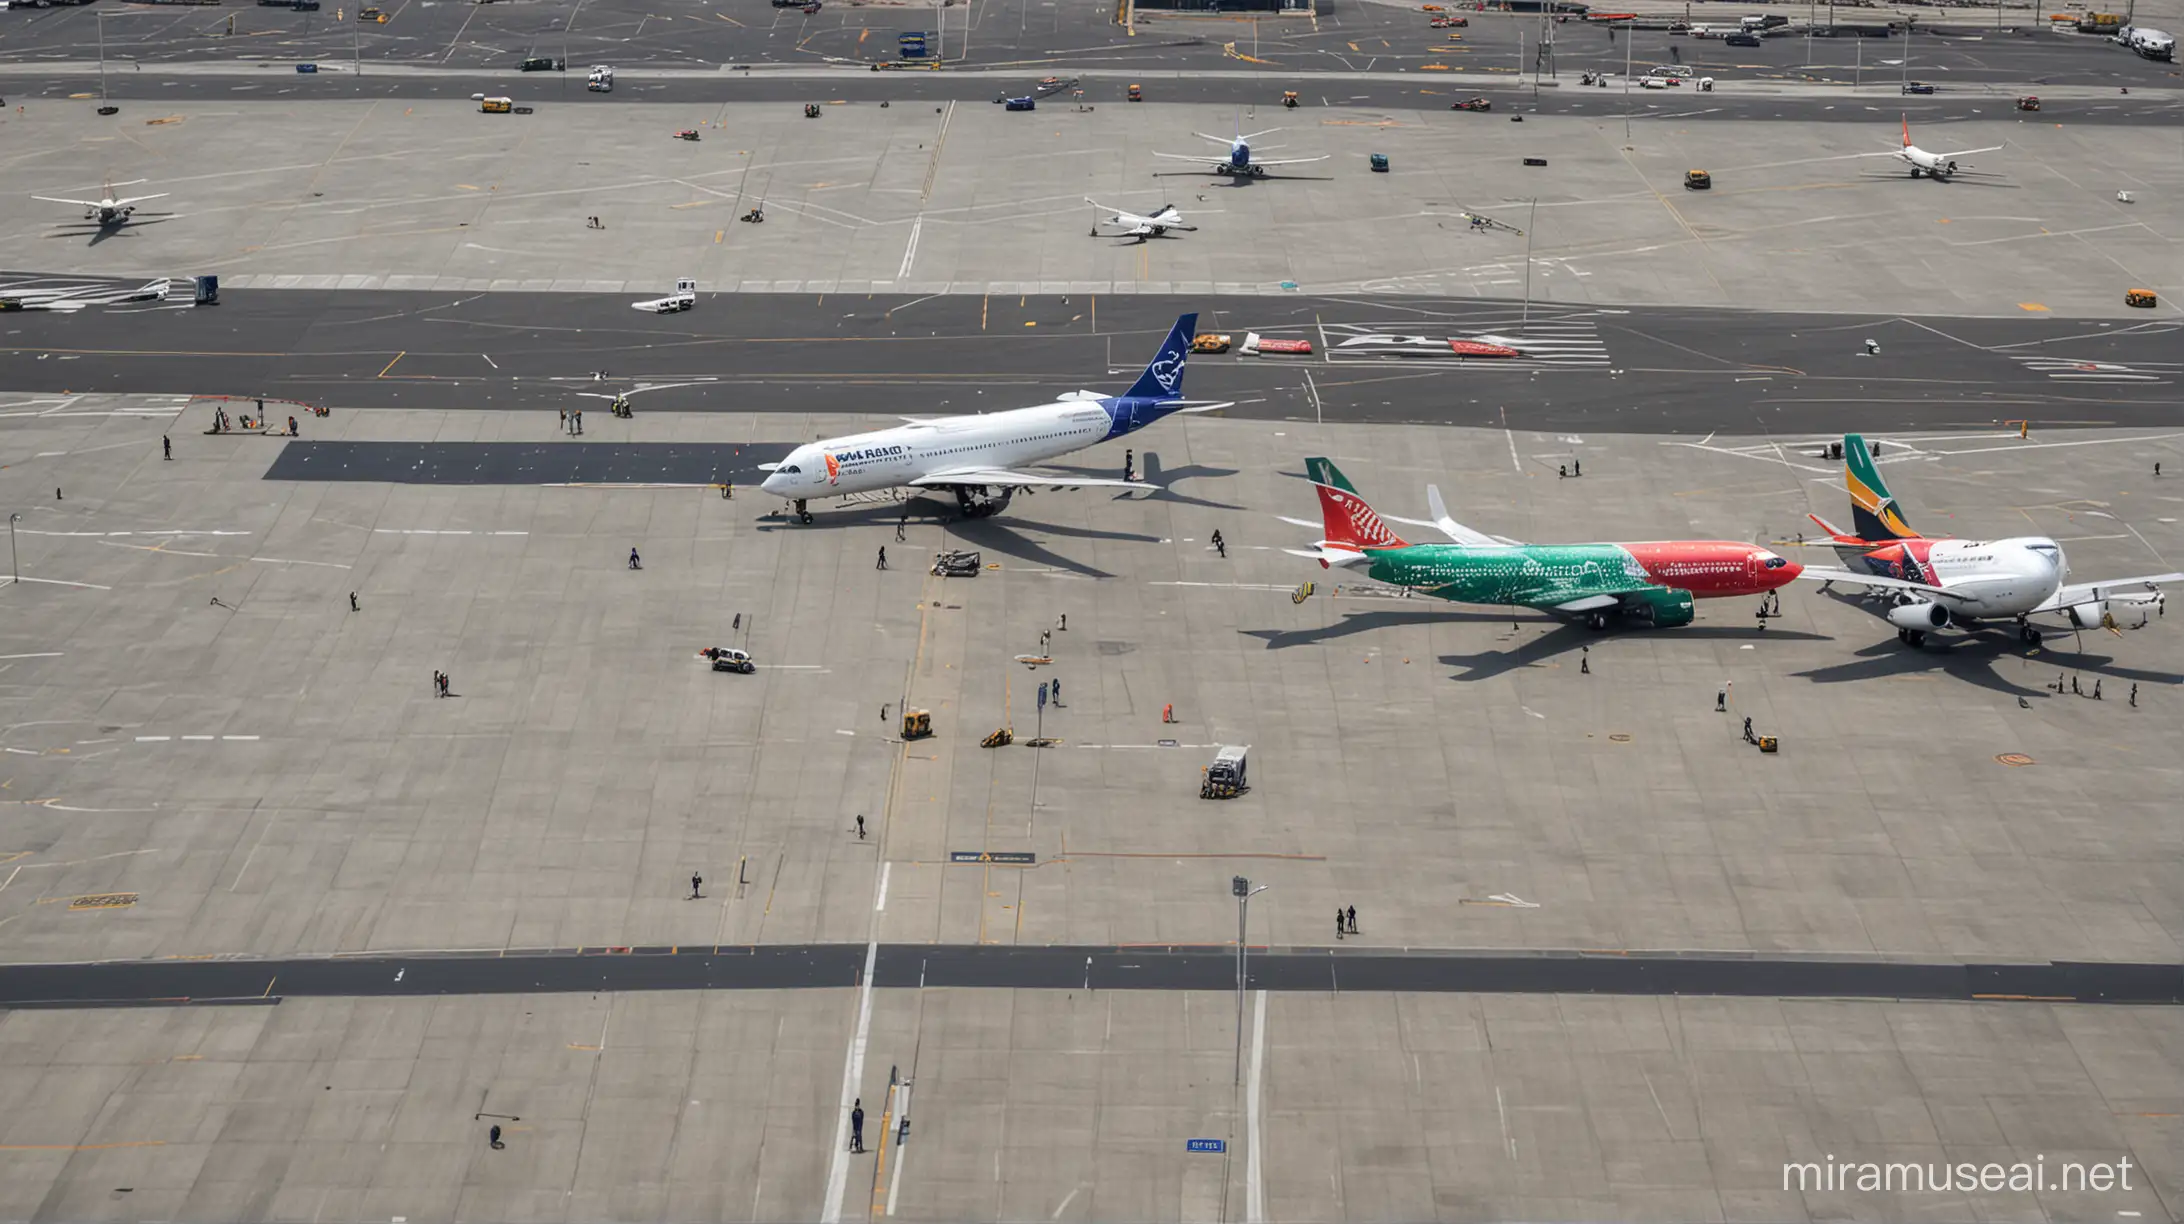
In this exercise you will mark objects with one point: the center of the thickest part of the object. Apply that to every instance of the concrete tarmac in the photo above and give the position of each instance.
(965, 198)
(209, 752)
(1082, 1105)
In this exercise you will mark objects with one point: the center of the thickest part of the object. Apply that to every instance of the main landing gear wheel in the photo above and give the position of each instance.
(1911, 637)
(1597, 622)
(2028, 635)
(975, 504)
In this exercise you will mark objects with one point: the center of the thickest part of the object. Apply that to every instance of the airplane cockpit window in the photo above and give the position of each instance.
(1776, 562)
(793, 470)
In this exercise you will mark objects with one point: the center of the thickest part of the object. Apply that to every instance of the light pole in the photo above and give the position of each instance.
(1531, 224)
(1244, 892)
(14, 565)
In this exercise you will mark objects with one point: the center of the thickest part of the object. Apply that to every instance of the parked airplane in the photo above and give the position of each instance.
(2148, 42)
(107, 210)
(975, 456)
(1937, 583)
(1937, 166)
(1239, 162)
(1135, 226)
(1654, 582)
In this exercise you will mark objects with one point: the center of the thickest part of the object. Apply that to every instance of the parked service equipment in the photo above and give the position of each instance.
(1225, 777)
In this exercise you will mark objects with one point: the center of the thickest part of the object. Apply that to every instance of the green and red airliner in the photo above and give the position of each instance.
(1655, 581)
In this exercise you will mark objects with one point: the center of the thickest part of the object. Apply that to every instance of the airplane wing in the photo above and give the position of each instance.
(1291, 161)
(1450, 527)
(1219, 140)
(2128, 590)
(77, 203)
(1876, 580)
(1196, 157)
(1967, 152)
(1004, 478)
(139, 199)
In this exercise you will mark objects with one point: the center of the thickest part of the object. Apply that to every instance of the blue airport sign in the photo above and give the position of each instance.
(1205, 1145)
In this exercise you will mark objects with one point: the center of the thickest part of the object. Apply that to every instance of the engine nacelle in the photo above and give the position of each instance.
(1918, 614)
(2091, 615)
(1662, 607)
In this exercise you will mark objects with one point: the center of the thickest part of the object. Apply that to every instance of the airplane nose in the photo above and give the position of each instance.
(771, 484)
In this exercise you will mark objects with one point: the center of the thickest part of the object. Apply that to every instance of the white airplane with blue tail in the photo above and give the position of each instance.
(982, 459)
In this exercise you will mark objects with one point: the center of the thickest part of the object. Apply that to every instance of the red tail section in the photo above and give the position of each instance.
(1350, 523)
(1906, 131)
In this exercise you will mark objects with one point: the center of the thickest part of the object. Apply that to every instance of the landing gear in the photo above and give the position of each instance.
(1597, 622)
(973, 501)
(1911, 637)
(802, 515)
(2028, 635)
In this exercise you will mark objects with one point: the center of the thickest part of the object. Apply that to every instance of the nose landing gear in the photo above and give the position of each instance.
(802, 515)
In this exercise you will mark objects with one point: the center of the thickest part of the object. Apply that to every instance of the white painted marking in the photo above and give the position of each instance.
(880, 906)
(238, 737)
(1232, 586)
(46, 654)
(839, 731)
(89, 586)
(852, 1072)
(197, 737)
(1067, 1199)
(894, 1181)
(1514, 461)
(153, 739)
(910, 254)
(1501, 1111)
(286, 561)
(1255, 1198)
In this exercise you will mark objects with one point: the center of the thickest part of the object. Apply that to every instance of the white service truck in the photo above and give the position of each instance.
(600, 79)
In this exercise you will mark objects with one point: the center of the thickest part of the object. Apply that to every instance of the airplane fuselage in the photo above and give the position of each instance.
(1930, 164)
(1995, 579)
(890, 458)
(1536, 574)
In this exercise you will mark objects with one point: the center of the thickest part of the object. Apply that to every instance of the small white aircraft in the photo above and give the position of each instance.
(1239, 162)
(107, 211)
(1937, 166)
(1139, 227)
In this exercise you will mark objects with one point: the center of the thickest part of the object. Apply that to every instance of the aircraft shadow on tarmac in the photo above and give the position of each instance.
(1979, 659)
(1001, 535)
(1962, 178)
(1164, 477)
(99, 233)
(1567, 637)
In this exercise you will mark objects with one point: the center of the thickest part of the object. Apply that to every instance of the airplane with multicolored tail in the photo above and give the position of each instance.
(1655, 582)
(1935, 583)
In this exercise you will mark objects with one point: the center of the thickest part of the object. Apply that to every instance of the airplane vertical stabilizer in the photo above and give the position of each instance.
(1349, 523)
(1873, 513)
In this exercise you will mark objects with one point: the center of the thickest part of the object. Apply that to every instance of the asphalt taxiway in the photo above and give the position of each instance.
(1635, 370)
(986, 967)
(1047, 38)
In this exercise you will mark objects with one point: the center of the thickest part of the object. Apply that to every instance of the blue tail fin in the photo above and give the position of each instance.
(1163, 379)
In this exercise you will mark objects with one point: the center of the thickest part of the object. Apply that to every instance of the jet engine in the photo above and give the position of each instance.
(2089, 615)
(1663, 607)
(1918, 614)
(1948, 169)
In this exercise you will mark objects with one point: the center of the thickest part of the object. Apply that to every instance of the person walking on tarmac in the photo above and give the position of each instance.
(634, 563)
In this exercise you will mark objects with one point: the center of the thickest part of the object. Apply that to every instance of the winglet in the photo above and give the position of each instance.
(1323, 471)
(1163, 376)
